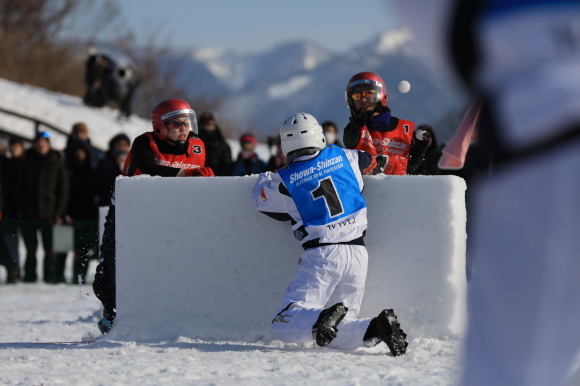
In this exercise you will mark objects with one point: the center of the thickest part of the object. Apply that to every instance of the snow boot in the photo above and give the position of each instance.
(386, 328)
(106, 322)
(324, 330)
(13, 277)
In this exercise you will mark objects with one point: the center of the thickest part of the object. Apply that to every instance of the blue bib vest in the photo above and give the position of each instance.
(324, 188)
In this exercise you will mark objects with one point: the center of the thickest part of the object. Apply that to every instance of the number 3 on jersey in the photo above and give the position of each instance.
(327, 191)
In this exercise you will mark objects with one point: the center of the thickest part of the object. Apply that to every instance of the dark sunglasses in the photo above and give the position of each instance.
(176, 124)
(363, 94)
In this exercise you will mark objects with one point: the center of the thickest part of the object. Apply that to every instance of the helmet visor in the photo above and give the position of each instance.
(187, 120)
(367, 91)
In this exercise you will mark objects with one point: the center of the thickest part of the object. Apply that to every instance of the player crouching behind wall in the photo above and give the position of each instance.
(319, 192)
(174, 142)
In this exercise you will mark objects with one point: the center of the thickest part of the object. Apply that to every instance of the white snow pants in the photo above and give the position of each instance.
(326, 275)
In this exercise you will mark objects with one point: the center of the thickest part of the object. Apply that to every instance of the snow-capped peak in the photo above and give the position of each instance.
(394, 40)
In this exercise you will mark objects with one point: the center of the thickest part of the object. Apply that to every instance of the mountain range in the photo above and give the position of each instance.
(257, 91)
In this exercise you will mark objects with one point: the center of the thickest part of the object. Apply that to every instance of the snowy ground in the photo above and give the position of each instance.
(33, 314)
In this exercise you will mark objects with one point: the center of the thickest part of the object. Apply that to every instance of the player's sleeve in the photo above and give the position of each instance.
(271, 197)
(145, 159)
(359, 160)
(364, 160)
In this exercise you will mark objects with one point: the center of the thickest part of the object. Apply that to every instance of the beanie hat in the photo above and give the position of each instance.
(42, 135)
(247, 138)
(206, 116)
(117, 138)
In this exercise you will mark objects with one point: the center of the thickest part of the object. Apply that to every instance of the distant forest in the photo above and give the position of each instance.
(46, 44)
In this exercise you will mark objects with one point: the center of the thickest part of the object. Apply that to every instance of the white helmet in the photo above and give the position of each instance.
(301, 131)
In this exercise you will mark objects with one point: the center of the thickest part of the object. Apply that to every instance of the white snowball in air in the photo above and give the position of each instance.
(404, 86)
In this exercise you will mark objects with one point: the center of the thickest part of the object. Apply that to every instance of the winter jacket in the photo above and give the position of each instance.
(41, 188)
(158, 158)
(83, 190)
(218, 152)
(96, 154)
(107, 172)
(9, 169)
(248, 166)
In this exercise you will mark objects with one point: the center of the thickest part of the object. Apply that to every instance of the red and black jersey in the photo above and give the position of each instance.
(394, 144)
(159, 158)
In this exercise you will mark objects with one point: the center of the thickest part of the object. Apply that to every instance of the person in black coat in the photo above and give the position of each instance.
(99, 79)
(429, 165)
(248, 162)
(82, 209)
(9, 169)
(40, 196)
(80, 133)
(111, 166)
(218, 152)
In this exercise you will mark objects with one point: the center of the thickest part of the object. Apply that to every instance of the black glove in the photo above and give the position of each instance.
(360, 119)
(382, 161)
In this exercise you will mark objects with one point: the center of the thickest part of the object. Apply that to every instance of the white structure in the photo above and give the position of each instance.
(195, 259)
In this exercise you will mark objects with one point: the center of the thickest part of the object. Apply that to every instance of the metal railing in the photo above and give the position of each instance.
(38, 123)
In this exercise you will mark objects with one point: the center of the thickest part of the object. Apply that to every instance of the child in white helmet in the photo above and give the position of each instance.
(319, 192)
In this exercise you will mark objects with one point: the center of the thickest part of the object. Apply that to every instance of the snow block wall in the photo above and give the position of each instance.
(196, 260)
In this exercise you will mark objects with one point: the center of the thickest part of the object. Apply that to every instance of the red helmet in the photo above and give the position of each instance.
(366, 80)
(167, 110)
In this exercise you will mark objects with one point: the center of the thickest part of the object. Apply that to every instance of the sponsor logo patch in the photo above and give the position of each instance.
(263, 195)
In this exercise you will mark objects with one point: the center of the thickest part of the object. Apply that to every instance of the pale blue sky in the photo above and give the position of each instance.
(255, 25)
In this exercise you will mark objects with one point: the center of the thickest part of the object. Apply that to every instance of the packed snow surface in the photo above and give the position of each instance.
(33, 314)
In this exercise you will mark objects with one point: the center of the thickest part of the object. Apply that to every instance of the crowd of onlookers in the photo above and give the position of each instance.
(44, 190)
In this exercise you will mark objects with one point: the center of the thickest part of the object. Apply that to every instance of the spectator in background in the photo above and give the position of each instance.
(128, 81)
(248, 161)
(429, 165)
(107, 81)
(390, 140)
(16, 147)
(9, 169)
(111, 166)
(41, 194)
(277, 159)
(331, 133)
(218, 152)
(99, 79)
(80, 133)
(82, 210)
(3, 253)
